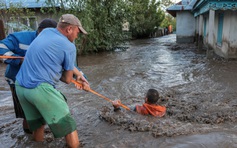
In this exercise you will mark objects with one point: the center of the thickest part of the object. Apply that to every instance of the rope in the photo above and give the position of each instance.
(94, 92)
(75, 82)
(10, 57)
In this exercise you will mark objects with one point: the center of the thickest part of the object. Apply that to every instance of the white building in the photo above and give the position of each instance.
(212, 22)
(185, 21)
(216, 23)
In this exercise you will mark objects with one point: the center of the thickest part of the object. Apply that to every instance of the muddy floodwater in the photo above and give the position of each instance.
(199, 93)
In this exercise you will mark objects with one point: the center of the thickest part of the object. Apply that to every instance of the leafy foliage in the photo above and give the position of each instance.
(166, 3)
(169, 20)
(104, 19)
(145, 17)
(14, 13)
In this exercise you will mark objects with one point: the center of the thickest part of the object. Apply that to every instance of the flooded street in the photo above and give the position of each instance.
(199, 93)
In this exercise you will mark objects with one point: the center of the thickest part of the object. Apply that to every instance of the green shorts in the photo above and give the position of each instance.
(45, 104)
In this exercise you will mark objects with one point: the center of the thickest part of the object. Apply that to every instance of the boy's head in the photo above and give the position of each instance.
(152, 96)
(46, 23)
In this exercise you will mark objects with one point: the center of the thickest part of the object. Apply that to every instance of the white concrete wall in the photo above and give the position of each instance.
(225, 34)
(207, 27)
(228, 48)
(211, 28)
(185, 27)
(197, 25)
(201, 25)
(229, 39)
(201, 20)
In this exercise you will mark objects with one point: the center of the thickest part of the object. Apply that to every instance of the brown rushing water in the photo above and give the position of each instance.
(200, 95)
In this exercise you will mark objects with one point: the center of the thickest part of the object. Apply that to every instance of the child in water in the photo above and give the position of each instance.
(150, 107)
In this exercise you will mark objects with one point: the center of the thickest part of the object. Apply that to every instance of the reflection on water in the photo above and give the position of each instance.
(199, 94)
(210, 140)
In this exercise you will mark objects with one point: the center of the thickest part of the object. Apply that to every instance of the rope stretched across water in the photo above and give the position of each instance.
(94, 92)
(73, 81)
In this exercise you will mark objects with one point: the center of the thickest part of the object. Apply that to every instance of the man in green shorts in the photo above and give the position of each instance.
(49, 59)
(16, 44)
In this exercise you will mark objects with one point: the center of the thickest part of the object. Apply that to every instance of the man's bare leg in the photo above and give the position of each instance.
(38, 134)
(72, 139)
(26, 127)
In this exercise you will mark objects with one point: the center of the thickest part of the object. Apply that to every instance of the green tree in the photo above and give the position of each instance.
(15, 12)
(169, 20)
(102, 19)
(166, 3)
(145, 17)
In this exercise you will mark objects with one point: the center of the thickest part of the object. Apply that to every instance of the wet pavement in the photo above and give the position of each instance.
(199, 93)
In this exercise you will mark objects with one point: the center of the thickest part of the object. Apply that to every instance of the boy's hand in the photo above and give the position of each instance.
(116, 103)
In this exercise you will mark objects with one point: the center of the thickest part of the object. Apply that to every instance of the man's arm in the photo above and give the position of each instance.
(78, 70)
(80, 78)
(7, 48)
(67, 76)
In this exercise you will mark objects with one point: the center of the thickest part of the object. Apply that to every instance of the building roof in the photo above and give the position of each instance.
(203, 6)
(184, 5)
(24, 3)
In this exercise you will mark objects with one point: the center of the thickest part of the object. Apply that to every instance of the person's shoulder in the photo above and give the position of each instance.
(48, 30)
(23, 34)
